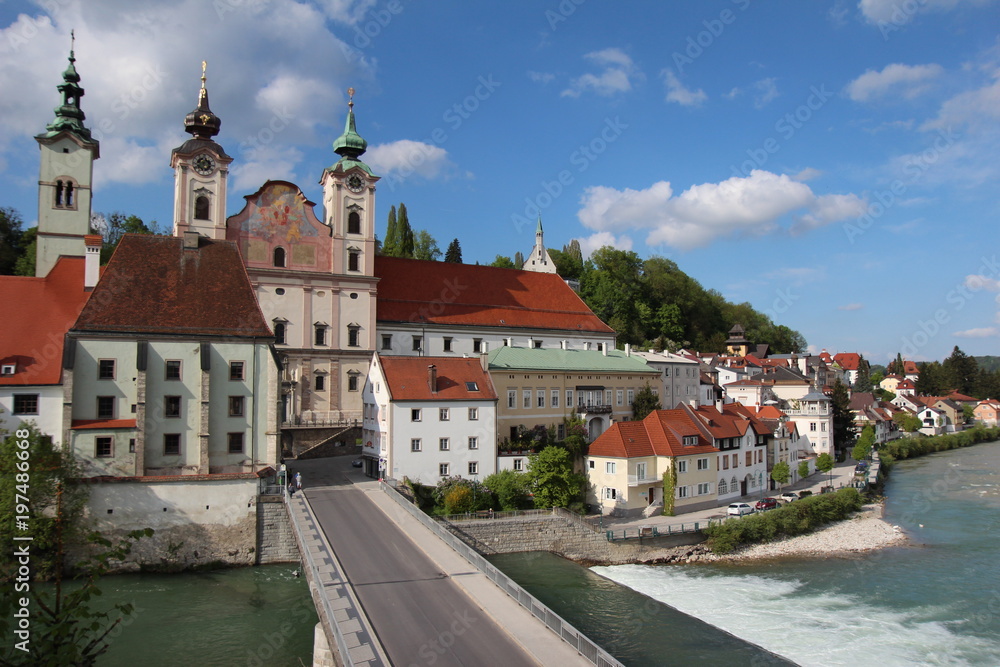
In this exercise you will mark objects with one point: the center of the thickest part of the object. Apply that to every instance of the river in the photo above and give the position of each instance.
(933, 602)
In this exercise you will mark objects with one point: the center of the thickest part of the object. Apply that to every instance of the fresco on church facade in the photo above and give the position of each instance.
(280, 214)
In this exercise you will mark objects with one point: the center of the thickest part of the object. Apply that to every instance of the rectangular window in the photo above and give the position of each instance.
(171, 444)
(473, 414)
(171, 406)
(526, 396)
(749, 458)
(560, 431)
(590, 465)
(702, 464)
(620, 396)
(473, 442)
(540, 398)
(353, 260)
(131, 445)
(103, 448)
(569, 398)
(320, 335)
(609, 467)
(519, 465)
(444, 469)
(477, 345)
(25, 404)
(105, 407)
(610, 494)
(353, 337)
(447, 344)
(607, 397)
(812, 426)
(631, 396)
(682, 492)
(352, 382)
(511, 398)
(823, 427)
(736, 461)
(443, 444)
(725, 463)
(172, 370)
(473, 468)
(537, 344)
(235, 443)
(704, 488)
(682, 466)
(415, 445)
(415, 414)
(417, 343)
(386, 342)
(236, 370)
(444, 414)
(690, 440)
(106, 369)
(554, 398)
(236, 404)
(320, 383)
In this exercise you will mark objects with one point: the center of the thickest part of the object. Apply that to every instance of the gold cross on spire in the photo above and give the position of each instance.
(204, 66)
(350, 102)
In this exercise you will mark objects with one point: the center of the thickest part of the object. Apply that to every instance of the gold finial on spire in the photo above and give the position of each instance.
(350, 102)
(204, 66)
(72, 40)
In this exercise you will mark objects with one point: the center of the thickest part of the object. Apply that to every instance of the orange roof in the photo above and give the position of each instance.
(408, 379)
(37, 314)
(910, 367)
(849, 361)
(661, 433)
(411, 290)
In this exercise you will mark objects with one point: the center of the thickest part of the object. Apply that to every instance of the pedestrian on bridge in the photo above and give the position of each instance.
(298, 481)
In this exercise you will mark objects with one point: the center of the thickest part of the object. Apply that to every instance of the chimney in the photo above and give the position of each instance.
(562, 345)
(92, 260)
(484, 361)
(190, 240)
(628, 349)
(432, 378)
(604, 349)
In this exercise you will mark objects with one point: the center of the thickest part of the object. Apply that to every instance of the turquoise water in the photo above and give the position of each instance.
(247, 616)
(935, 602)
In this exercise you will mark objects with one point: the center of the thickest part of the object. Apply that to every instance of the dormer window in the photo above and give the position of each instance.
(8, 369)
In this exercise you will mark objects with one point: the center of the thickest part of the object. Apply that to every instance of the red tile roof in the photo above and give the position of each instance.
(661, 433)
(411, 290)
(37, 314)
(408, 379)
(910, 368)
(152, 285)
(849, 361)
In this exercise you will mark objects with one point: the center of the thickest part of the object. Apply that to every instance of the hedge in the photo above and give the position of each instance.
(907, 448)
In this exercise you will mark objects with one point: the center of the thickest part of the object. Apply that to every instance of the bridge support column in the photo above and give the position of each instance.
(322, 655)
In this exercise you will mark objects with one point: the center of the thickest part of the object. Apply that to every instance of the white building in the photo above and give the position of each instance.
(679, 377)
(427, 418)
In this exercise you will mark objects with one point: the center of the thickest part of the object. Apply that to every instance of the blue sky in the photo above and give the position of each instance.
(832, 163)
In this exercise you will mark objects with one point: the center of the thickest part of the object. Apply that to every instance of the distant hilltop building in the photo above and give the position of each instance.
(539, 260)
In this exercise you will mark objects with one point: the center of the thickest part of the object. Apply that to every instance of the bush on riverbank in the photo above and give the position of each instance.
(795, 518)
(907, 448)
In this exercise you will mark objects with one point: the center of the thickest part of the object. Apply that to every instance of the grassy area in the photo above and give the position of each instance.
(795, 518)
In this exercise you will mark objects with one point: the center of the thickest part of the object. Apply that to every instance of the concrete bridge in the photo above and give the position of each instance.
(393, 588)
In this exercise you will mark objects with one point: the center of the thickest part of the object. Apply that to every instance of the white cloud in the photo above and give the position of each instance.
(541, 77)
(977, 108)
(766, 91)
(906, 80)
(676, 92)
(268, 163)
(282, 98)
(851, 306)
(134, 164)
(739, 206)
(404, 158)
(595, 241)
(981, 332)
(977, 282)
(899, 13)
(349, 12)
(830, 208)
(617, 76)
(797, 275)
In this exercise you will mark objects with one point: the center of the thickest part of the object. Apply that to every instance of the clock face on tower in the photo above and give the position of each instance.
(204, 165)
(355, 183)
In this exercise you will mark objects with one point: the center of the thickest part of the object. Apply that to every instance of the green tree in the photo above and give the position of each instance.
(825, 463)
(113, 226)
(518, 260)
(26, 262)
(550, 474)
(907, 421)
(863, 448)
(781, 473)
(803, 469)
(863, 383)
(568, 261)
(11, 239)
(390, 247)
(960, 371)
(510, 488)
(502, 262)
(454, 252)
(934, 379)
(405, 233)
(425, 247)
(843, 418)
(645, 401)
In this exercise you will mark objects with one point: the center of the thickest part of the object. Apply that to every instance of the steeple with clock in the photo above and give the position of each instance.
(201, 169)
(349, 202)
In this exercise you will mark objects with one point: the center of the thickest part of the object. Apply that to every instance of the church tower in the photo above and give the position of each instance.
(65, 177)
(349, 201)
(201, 169)
(539, 260)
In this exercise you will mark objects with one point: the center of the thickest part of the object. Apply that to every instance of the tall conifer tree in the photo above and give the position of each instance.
(390, 246)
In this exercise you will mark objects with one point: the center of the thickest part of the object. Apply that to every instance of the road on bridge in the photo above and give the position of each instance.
(420, 615)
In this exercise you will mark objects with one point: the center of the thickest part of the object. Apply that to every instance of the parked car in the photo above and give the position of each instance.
(739, 509)
(356, 463)
(766, 504)
(861, 468)
(789, 496)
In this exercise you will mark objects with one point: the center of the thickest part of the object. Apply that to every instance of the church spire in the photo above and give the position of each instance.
(350, 145)
(202, 123)
(69, 115)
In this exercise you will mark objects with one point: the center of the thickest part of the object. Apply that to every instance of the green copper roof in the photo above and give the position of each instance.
(584, 361)
(538, 230)
(69, 115)
(350, 145)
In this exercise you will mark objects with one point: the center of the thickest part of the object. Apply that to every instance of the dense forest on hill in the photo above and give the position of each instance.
(652, 303)
(961, 373)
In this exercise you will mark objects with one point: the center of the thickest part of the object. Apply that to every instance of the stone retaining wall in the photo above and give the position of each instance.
(566, 538)
(275, 537)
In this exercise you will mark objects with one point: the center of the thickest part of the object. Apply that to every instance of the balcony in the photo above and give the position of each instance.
(635, 480)
(595, 409)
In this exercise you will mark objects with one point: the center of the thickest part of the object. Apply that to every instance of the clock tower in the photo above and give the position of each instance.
(201, 169)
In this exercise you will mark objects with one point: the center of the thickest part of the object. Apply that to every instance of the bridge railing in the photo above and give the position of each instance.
(583, 645)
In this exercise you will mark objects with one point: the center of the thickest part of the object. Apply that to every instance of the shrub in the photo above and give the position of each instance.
(458, 500)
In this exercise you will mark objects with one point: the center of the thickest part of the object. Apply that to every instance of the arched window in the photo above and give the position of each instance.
(279, 257)
(353, 223)
(733, 483)
(69, 194)
(279, 333)
(59, 194)
(723, 488)
(201, 208)
(353, 260)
